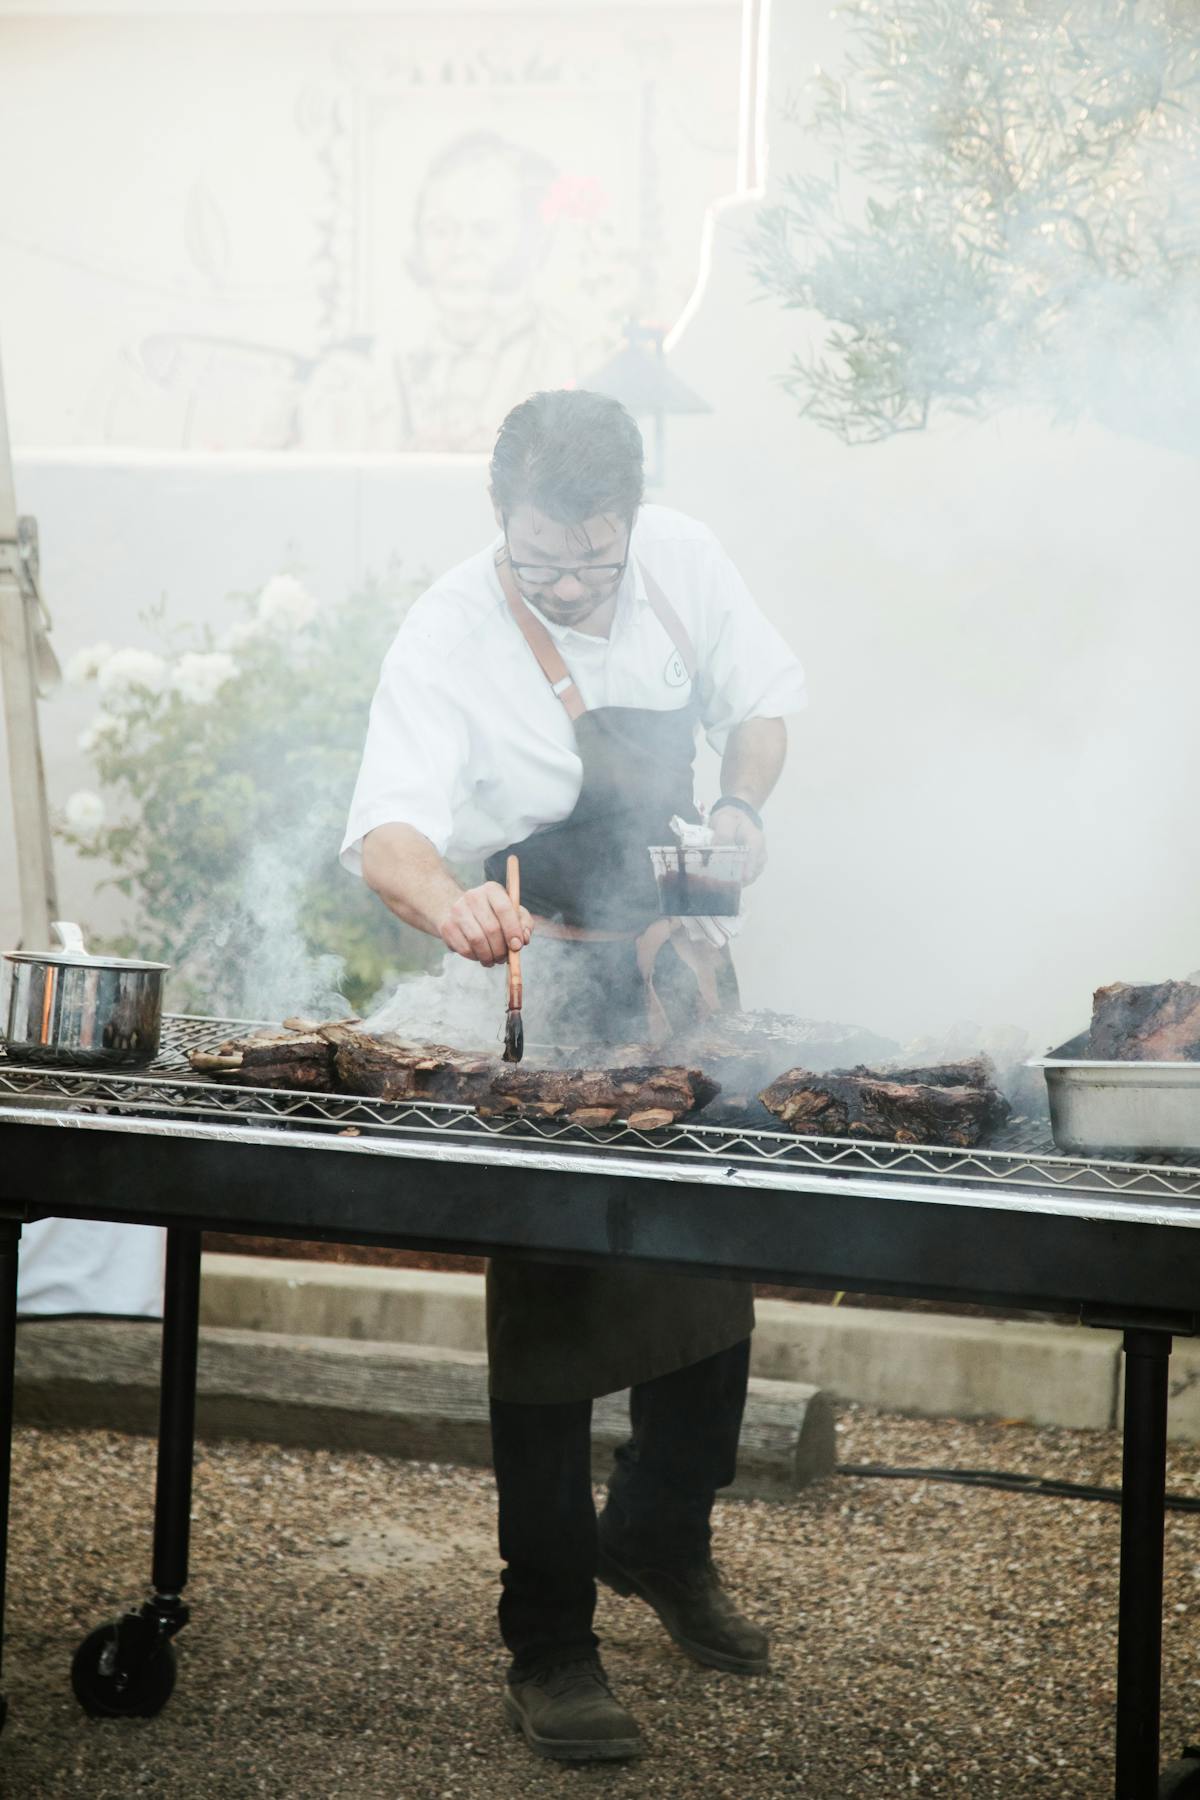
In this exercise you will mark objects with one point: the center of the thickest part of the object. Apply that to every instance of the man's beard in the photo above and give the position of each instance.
(571, 612)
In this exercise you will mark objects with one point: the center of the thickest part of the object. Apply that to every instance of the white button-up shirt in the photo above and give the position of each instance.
(467, 742)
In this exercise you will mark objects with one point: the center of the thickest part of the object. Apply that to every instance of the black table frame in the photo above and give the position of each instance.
(1122, 1264)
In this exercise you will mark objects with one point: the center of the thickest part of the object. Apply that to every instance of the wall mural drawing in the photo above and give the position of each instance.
(343, 244)
(509, 274)
(482, 232)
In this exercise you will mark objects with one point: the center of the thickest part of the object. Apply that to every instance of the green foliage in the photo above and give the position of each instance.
(227, 801)
(1014, 212)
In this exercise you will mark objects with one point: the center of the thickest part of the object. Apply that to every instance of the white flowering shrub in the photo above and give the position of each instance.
(221, 764)
(131, 672)
(285, 605)
(85, 665)
(199, 676)
(85, 812)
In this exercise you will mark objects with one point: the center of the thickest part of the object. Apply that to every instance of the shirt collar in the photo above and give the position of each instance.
(631, 596)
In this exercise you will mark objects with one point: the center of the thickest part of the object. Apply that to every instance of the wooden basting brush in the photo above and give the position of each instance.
(514, 1030)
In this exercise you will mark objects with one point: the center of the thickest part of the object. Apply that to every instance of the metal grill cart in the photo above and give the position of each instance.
(1014, 1225)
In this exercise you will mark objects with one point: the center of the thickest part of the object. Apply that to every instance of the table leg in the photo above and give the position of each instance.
(177, 1416)
(1143, 1492)
(10, 1237)
(129, 1667)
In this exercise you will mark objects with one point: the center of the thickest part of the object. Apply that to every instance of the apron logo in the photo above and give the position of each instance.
(675, 674)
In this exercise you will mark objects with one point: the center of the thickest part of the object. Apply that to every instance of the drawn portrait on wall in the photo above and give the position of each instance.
(515, 265)
(481, 236)
(450, 273)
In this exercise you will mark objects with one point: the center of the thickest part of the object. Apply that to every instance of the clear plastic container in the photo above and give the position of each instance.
(699, 883)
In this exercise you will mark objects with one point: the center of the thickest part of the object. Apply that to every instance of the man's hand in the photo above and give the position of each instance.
(404, 869)
(729, 826)
(750, 768)
(483, 925)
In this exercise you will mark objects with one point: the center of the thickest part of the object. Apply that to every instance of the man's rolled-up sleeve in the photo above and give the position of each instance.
(415, 756)
(748, 670)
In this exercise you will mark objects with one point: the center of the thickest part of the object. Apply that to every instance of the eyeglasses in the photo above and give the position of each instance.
(590, 575)
(543, 575)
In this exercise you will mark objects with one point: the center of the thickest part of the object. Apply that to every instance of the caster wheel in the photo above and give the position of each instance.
(1181, 1780)
(116, 1680)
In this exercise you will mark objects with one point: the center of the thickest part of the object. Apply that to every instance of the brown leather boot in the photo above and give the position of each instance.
(695, 1609)
(568, 1712)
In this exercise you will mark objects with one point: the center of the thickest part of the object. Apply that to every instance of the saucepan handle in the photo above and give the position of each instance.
(68, 934)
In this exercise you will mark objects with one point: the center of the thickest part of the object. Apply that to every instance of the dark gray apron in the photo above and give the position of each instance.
(558, 1333)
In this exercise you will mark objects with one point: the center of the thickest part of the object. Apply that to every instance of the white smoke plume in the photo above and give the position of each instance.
(281, 975)
(461, 1004)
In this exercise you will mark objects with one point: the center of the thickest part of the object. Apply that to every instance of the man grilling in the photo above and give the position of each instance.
(543, 698)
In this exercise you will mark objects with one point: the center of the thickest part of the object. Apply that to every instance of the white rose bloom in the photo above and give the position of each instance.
(85, 810)
(85, 665)
(127, 669)
(198, 676)
(285, 604)
(246, 631)
(105, 728)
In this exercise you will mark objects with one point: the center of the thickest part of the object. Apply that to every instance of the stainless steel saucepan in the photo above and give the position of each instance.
(64, 1006)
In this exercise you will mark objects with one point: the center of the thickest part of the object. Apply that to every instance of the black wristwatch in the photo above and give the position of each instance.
(743, 806)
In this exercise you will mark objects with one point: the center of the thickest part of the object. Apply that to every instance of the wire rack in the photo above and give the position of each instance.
(1021, 1156)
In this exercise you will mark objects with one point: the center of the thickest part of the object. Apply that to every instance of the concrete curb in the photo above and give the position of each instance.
(423, 1402)
(929, 1363)
(941, 1365)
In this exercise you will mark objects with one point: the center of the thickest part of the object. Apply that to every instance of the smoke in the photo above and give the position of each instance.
(567, 1002)
(280, 975)
(461, 1004)
(986, 811)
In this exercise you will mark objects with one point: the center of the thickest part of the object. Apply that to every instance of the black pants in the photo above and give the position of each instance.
(682, 1448)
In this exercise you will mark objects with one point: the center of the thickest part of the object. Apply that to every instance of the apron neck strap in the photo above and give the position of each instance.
(540, 642)
(671, 622)
(547, 652)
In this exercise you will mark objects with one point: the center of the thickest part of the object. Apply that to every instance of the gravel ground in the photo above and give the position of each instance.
(927, 1639)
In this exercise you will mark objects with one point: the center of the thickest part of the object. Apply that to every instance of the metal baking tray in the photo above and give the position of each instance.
(1142, 1107)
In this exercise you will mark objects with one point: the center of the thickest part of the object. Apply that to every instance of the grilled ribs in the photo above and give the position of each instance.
(341, 1058)
(644, 1097)
(278, 1059)
(953, 1104)
(1156, 1023)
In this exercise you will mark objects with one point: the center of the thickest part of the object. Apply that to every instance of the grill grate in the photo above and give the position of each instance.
(1022, 1156)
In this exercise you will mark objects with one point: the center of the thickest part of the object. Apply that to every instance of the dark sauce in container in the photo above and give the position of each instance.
(688, 895)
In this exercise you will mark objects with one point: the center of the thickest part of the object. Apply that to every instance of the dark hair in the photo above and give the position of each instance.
(572, 454)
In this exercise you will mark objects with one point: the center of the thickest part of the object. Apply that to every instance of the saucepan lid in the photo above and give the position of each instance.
(74, 954)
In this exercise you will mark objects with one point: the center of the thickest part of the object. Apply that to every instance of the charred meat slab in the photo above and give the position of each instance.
(390, 1068)
(1155, 1023)
(975, 1072)
(741, 1052)
(271, 1059)
(341, 1058)
(905, 1106)
(644, 1097)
